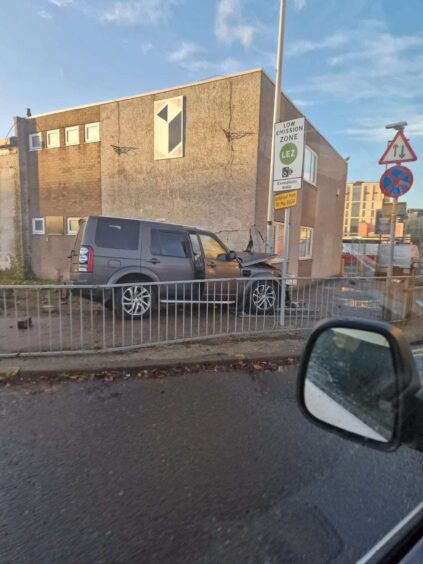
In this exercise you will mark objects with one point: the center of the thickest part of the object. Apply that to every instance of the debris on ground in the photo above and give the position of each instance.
(149, 373)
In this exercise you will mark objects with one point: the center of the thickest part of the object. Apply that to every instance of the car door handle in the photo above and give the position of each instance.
(153, 260)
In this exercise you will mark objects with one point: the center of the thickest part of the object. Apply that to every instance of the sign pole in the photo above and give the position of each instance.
(284, 265)
(392, 239)
(276, 118)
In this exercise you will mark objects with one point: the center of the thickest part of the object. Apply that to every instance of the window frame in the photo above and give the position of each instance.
(69, 231)
(309, 244)
(86, 126)
(158, 252)
(48, 133)
(314, 160)
(38, 231)
(71, 128)
(215, 238)
(39, 136)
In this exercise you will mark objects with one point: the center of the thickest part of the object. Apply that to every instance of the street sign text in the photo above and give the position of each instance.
(289, 155)
(286, 200)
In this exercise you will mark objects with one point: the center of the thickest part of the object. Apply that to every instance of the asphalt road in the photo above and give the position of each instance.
(200, 468)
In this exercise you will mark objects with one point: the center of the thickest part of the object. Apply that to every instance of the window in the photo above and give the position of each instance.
(53, 139)
(170, 243)
(117, 233)
(92, 132)
(73, 225)
(306, 243)
(55, 225)
(355, 210)
(72, 135)
(211, 247)
(35, 142)
(38, 227)
(354, 226)
(356, 195)
(310, 166)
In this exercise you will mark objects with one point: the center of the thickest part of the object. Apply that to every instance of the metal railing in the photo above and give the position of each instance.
(58, 319)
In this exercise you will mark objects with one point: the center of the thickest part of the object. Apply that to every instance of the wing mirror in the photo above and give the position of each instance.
(230, 255)
(359, 379)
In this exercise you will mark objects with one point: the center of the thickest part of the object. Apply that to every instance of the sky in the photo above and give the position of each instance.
(350, 66)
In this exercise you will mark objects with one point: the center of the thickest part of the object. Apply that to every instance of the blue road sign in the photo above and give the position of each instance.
(396, 181)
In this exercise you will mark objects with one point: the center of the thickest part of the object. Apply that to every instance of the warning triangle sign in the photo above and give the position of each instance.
(398, 151)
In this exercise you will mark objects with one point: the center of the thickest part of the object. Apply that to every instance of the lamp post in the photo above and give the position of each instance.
(276, 119)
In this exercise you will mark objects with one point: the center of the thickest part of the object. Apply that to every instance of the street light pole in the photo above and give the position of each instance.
(276, 119)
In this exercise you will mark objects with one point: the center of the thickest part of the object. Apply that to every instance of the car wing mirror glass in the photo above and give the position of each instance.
(223, 257)
(356, 378)
(231, 255)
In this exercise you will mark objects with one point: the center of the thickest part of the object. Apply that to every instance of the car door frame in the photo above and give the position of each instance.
(222, 293)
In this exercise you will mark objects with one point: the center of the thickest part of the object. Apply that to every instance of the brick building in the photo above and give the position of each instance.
(196, 154)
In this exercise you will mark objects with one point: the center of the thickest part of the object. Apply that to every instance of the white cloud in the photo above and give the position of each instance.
(146, 46)
(303, 103)
(380, 66)
(184, 53)
(61, 3)
(307, 46)
(137, 12)
(299, 4)
(373, 129)
(228, 27)
(190, 57)
(45, 15)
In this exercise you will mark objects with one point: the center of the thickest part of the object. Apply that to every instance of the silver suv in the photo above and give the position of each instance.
(110, 250)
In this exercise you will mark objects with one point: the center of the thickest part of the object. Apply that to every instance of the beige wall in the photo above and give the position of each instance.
(320, 207)
(10, 219)
(213, 185)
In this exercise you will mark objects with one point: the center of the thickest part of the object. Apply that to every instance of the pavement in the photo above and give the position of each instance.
(206, 467)
(267, 347)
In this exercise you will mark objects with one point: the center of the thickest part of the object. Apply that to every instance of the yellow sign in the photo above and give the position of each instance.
(286, 200)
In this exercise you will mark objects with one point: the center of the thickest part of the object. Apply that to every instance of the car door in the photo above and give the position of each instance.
(216, 267)
(169, 255)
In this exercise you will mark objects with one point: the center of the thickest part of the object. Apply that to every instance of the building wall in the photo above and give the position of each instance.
(319, 207)
(370, 200)
(213, 185)
(63, 181)
(10, 216)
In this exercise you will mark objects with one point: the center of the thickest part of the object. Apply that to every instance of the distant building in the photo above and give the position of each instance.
(197, 154)
(362, 201)
(414, 227)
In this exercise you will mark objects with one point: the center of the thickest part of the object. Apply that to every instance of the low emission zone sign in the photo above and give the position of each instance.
(289, 155)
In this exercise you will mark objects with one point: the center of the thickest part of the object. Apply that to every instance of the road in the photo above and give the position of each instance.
(203, 468)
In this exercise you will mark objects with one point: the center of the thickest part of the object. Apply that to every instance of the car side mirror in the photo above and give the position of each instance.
(358, 379)
(231, 255)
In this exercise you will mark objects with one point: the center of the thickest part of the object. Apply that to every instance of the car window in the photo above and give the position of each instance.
(117, 233)
(211, 246)
(170, 243)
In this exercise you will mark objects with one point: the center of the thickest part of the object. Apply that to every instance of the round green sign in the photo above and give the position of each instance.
(288, 153)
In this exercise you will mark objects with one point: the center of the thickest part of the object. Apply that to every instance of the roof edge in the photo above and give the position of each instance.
(151, 93)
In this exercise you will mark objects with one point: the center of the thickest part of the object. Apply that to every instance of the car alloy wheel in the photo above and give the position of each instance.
(263, 297)
(136, 301)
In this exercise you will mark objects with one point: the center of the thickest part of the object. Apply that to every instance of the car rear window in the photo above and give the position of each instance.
(170, 243)
(117, 233)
